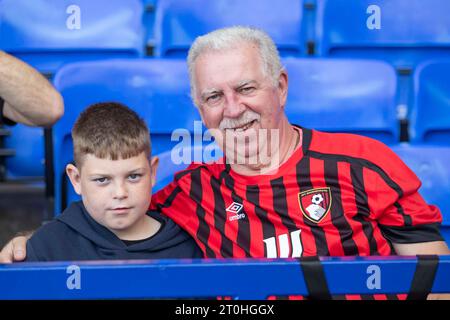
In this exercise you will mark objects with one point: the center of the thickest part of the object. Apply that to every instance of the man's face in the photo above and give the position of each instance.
(237, 98)
(116, 193)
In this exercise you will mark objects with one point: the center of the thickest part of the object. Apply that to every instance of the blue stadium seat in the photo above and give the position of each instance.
(157, 89)
(28, 162)
(430, 118)
(410, 30)
(430, 164)
(179, 22)
(338, 95)
(48, 33)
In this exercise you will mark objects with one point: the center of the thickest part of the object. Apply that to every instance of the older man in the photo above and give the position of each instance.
(326, 194)
(283, 190)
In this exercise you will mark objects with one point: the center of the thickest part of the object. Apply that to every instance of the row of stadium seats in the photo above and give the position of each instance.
(358, 97)
(90, 30)
(402, 32)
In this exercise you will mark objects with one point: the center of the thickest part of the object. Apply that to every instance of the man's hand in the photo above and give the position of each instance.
(15, 250)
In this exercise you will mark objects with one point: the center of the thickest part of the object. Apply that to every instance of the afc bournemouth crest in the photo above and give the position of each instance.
(315, 203)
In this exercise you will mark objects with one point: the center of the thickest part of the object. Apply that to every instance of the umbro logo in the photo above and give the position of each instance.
(235, 208)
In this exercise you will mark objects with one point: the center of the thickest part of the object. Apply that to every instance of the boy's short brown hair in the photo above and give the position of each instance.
(109, 130)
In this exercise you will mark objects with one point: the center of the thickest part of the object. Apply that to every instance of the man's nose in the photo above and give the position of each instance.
(120, 191)
(234, 107)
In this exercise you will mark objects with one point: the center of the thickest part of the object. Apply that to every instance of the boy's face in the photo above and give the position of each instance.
(116, 193)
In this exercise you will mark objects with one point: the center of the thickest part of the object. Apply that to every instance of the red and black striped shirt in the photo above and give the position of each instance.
(337, 195)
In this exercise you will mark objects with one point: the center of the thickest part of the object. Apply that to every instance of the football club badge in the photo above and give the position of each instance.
(315, 203)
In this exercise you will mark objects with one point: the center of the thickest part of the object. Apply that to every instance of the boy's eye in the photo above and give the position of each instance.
(134, 176)
(102, 180)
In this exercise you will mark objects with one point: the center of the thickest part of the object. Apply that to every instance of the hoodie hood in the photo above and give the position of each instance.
(168, 236)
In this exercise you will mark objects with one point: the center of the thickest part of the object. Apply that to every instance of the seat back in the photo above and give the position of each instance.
(179, 22)
(430, 118)
(338, 95)
(430, 164)
(48, 33)
(403, 32)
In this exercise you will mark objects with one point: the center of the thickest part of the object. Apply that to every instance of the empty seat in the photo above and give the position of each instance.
(355, 96)
(403, 32)
(430, 164)
(430, 118)
(179, 22)
(48, 33)
(28, 160)
(158, 90)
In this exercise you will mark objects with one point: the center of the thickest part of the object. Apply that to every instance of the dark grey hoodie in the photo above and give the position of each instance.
(74, 235)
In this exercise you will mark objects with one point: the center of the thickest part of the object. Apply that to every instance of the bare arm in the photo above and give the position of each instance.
(412, 249)
(29, 98)
(434, 247)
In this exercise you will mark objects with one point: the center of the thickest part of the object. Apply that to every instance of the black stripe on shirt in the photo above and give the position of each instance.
(280, 203)
(420, 233)
(338, 217)
(304, 183)
(243, 235)
(362, 206)
(268, 227)
(220, 216)
(196, 193)
(169, 200)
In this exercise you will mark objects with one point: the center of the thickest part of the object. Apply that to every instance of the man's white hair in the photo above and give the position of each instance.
(233, 37)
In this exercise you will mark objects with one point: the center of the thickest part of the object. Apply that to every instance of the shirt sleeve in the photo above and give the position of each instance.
(175, 200)
(400, 211)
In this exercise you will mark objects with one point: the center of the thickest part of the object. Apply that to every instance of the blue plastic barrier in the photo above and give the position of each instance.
(243, 279)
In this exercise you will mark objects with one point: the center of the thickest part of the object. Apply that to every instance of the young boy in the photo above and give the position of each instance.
(114, 175)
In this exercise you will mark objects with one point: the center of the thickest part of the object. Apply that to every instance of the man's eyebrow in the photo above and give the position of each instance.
(245, 83)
